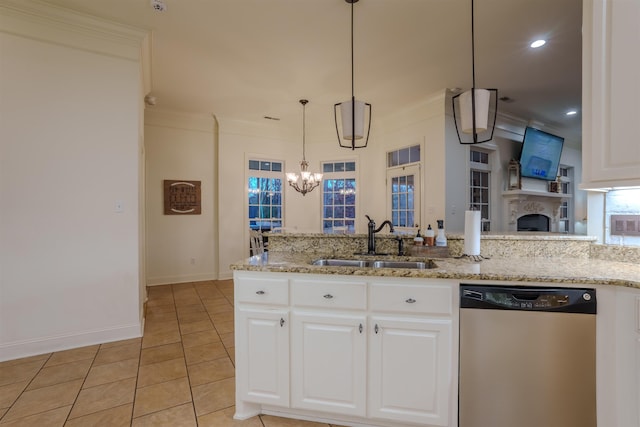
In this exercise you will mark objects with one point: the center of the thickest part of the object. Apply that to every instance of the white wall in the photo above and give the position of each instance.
(69, 152)
(180, 248)
(422, 124)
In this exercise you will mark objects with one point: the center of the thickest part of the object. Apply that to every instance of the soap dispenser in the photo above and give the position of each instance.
(429, 236)
(441, 239)
(418, 240)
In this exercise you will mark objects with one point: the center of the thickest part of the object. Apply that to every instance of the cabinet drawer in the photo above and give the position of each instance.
(331, 294)
(432, 299)
(263, 291)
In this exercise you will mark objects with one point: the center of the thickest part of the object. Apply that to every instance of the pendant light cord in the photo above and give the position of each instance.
(353, 96)
(304, 115)
(352, 72)
(473, 51)
(473, 78)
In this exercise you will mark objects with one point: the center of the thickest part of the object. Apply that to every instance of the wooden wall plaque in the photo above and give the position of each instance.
(182, 197)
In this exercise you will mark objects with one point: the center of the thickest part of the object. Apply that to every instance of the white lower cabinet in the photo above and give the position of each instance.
(262, 356)
(363, 351)
(328, 362)
(410, 370)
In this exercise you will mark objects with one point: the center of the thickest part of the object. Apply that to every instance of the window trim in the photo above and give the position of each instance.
(341, 175)
(261, 174)
(490, 168)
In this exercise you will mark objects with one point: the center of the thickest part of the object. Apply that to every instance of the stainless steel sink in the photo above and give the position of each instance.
(341, 263)
(419, 265)
(404, 264)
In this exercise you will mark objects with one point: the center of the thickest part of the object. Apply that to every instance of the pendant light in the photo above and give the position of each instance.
(352, 112)
(305, 181)
(471, 113)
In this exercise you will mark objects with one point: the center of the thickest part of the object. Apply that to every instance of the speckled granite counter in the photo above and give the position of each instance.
(530, 257)
(563, 270)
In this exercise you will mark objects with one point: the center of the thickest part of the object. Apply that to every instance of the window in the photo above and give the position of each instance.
(403, 183)
(565, 225)
(265, 194)
(403, 156)
(480, 185)
(339, 197)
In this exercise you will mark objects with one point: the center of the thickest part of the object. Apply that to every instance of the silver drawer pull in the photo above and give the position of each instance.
(410, 301)
(328, 296)
(260, 292)
(281, 322)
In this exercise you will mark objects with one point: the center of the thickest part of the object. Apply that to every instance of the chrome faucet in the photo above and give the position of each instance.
(371, 234)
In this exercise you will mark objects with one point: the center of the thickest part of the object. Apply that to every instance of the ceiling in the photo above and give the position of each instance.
(246, 59)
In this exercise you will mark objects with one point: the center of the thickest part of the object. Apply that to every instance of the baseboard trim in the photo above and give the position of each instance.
(167, 280)
(20, 349)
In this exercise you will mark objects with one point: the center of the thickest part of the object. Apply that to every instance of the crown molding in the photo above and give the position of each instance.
(53, 24)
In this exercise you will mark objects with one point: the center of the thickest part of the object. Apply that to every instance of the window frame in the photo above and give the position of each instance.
(249, 173)
(487, 168)
(411, 166)
(339, 175)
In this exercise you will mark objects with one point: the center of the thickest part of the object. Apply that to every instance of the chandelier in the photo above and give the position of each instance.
(305, 181)
(471, 109)
(352, 112)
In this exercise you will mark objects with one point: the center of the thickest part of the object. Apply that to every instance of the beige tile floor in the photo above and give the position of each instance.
(180, 373)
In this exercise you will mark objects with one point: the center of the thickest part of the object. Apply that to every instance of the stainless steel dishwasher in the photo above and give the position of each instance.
(527, 357)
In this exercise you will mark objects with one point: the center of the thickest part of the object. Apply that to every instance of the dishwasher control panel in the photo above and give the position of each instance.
(573, 300)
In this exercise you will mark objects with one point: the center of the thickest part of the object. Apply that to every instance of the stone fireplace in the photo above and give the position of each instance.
(526, 210)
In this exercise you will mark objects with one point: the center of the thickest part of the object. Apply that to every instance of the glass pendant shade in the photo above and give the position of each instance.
(348, 112)
(486, 110)
(482, 110)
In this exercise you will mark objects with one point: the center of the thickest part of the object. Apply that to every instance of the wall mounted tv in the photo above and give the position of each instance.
(540, 154)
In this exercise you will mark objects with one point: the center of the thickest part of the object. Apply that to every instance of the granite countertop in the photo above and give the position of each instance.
(545, 270)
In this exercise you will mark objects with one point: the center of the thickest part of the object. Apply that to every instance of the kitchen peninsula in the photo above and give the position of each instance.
(399, 326)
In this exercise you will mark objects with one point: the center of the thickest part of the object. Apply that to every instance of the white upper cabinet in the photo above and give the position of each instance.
(610, 93)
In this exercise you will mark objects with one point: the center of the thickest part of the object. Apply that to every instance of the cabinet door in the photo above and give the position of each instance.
(610, 92)
(410, 370)
(328, 366)
(262, 356)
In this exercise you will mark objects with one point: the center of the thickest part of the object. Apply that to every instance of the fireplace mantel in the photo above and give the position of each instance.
(518, 203)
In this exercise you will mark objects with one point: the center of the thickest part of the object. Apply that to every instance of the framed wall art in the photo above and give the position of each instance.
(182, 197)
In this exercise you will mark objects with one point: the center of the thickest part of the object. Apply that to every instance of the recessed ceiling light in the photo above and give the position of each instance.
(571, 113)
(538, 43)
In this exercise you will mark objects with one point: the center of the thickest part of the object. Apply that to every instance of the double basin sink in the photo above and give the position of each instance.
(418, 265)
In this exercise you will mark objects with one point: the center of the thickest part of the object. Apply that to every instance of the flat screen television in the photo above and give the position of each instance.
(540, 154)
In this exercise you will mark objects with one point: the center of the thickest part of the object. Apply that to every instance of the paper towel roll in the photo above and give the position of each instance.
(472, 233)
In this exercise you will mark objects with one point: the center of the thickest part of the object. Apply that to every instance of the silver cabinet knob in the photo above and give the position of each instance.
(328, 296)
(260, 292)
(410, 301)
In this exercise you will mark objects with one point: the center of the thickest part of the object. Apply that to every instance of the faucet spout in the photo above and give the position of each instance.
(385, 222)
